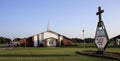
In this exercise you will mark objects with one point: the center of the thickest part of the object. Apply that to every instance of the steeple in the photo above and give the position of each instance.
(48, 26)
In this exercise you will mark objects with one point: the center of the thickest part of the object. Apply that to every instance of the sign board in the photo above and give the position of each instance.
(100, 32)
(101, 42)
(101, 37)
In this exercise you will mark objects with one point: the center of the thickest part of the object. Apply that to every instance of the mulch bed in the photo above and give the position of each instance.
(111, 55)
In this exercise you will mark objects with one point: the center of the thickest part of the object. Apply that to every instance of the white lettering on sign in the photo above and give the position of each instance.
(101, 42)
(100, 32)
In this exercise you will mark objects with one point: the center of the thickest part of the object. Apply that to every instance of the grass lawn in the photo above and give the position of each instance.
(3, 44)
(49, 54)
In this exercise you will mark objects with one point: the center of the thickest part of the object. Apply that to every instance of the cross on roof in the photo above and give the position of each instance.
(99, 13)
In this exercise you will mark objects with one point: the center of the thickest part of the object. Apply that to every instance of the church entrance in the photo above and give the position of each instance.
(51, 42)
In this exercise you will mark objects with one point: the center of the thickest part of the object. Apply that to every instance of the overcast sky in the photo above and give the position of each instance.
(24, 18)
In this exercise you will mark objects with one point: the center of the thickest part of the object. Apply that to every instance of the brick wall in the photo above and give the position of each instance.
(67, 42)
(26, 42)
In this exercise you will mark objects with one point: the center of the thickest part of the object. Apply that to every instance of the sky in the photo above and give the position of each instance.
(24, 18)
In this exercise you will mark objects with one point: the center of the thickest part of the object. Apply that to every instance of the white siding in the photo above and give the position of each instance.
(35, 41)
(49, 34)
(40, 38)
(61, 38)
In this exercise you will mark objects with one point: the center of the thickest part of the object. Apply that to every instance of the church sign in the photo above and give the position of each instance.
(101, 37)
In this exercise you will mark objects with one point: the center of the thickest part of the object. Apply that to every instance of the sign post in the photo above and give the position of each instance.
(101, 36)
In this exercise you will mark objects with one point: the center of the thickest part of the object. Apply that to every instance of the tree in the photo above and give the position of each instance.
(4, 40)
(77, 40)
(87, 40)
(17, 39)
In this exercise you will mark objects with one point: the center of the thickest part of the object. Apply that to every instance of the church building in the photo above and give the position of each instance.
(47, 38)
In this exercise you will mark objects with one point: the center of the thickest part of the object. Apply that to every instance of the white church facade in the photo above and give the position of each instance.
(48, 38)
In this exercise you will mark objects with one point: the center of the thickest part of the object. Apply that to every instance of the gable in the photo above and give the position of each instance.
(50, 34)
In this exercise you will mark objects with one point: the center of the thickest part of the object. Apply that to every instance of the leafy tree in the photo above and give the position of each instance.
(77, 40)
(4, 40)
(17, 39)
(87, 40)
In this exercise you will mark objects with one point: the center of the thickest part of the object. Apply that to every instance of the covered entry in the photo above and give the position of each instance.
(51, 42)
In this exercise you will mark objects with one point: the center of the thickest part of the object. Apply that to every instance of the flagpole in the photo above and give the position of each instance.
(83, 37)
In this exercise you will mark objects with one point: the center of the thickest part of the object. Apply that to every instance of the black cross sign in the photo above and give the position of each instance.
(99, 13)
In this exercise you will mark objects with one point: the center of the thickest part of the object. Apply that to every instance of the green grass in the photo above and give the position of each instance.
(89, 45)
(3, 44)
(49, 54)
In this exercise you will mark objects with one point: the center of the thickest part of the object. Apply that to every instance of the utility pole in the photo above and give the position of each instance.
(83, 37)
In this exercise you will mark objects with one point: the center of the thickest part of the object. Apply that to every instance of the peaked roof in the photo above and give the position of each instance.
(51, 32)
(116, 37)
